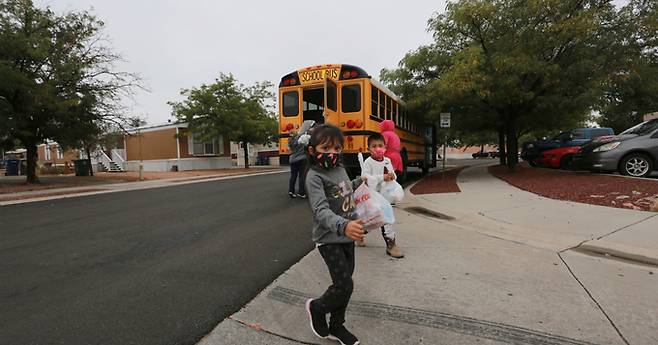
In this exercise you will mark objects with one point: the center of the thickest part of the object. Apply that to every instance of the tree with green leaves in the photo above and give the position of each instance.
(57, 77)
(632, 91)
(514, 66)
(240, 113)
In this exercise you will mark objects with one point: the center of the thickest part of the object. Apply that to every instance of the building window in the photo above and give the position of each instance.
(47, 152)
(351, 98)
(212, 147)
(291, 103)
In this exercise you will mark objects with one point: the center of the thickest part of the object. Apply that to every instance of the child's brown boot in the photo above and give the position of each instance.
(392, 249)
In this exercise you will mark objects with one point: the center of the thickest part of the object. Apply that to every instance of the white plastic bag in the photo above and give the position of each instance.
(304, 139)
(372, 208)
(392, 191)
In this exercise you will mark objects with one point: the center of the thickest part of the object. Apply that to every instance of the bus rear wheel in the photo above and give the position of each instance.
(405, 162)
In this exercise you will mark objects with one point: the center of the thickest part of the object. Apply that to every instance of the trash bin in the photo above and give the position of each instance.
(12, 166)
(81, 167)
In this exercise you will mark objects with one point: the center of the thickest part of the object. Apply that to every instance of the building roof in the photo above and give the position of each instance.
(152, 128)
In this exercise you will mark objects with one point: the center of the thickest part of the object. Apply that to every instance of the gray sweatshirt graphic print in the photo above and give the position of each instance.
(330, 194)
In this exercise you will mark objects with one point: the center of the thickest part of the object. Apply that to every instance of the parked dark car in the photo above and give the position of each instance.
(576, 137)
(480, 154)
(634, 152)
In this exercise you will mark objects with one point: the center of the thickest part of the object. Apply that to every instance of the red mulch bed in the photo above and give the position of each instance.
(582, 187)
(437, 183)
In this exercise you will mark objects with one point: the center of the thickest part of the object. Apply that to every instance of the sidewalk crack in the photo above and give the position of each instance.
(559, 254)
(258, 327)
(627, 226)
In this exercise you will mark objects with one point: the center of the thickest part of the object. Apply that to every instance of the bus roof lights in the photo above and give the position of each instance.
(289, 126)
(350, 123)
(359, 123)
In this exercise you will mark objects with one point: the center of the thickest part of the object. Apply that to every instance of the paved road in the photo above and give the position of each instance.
(160, 266)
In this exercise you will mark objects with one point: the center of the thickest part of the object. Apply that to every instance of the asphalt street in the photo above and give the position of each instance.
(160, 266)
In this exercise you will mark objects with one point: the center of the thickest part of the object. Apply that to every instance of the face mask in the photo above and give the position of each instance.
(378, 152)
(328, 160)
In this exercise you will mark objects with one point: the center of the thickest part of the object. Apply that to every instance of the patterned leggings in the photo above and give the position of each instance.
(339, 258)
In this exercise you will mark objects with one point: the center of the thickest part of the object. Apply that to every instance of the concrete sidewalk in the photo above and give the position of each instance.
(485, 277)
(69, 192)
(492, 206)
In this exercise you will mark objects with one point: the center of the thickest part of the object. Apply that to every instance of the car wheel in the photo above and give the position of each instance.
(636, 165)
(566, 163)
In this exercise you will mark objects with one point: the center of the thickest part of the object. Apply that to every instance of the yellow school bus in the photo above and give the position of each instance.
(349, 98)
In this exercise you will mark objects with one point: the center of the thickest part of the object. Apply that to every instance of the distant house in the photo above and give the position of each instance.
(258, 154)
(169, 147)
(51, 154)
(650, 116)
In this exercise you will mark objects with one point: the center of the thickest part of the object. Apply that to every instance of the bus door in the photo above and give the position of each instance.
(313, 104)
(331, 102)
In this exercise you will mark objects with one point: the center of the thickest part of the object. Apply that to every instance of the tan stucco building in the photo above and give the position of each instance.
(169, 147)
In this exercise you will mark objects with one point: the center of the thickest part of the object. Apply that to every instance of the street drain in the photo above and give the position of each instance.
(428, 213)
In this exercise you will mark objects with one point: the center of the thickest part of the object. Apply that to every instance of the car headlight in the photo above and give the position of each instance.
(607, 147)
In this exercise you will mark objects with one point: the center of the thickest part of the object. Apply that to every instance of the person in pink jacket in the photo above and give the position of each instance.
(392, 142)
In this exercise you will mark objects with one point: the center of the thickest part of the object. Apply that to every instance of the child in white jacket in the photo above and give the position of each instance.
(378, 169)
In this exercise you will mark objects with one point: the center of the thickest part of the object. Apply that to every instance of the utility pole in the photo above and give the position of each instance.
(141, 161)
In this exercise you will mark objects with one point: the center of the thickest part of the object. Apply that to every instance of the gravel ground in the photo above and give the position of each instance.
(605, 190)
(437, 183)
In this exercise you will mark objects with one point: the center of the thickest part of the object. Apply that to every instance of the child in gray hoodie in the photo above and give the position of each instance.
(335, 228)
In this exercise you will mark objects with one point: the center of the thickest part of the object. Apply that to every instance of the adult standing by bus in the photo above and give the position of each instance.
(297, 146)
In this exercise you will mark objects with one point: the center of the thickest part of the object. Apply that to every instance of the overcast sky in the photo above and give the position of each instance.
(181, 44)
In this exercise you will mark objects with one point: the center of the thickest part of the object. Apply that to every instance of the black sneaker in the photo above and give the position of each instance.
(303, 196)
(292, 195)
(344, 336)
(318, 321)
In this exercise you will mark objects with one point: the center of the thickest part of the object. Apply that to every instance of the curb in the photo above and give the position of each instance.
(164, 183)
(630, 253)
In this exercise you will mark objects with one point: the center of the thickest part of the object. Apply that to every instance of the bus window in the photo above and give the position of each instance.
(394, 110)
(389, 108)
(382, 105)
(375, 102)
(331, 95)
(351, 98)
(290, 103)
(312, 104)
